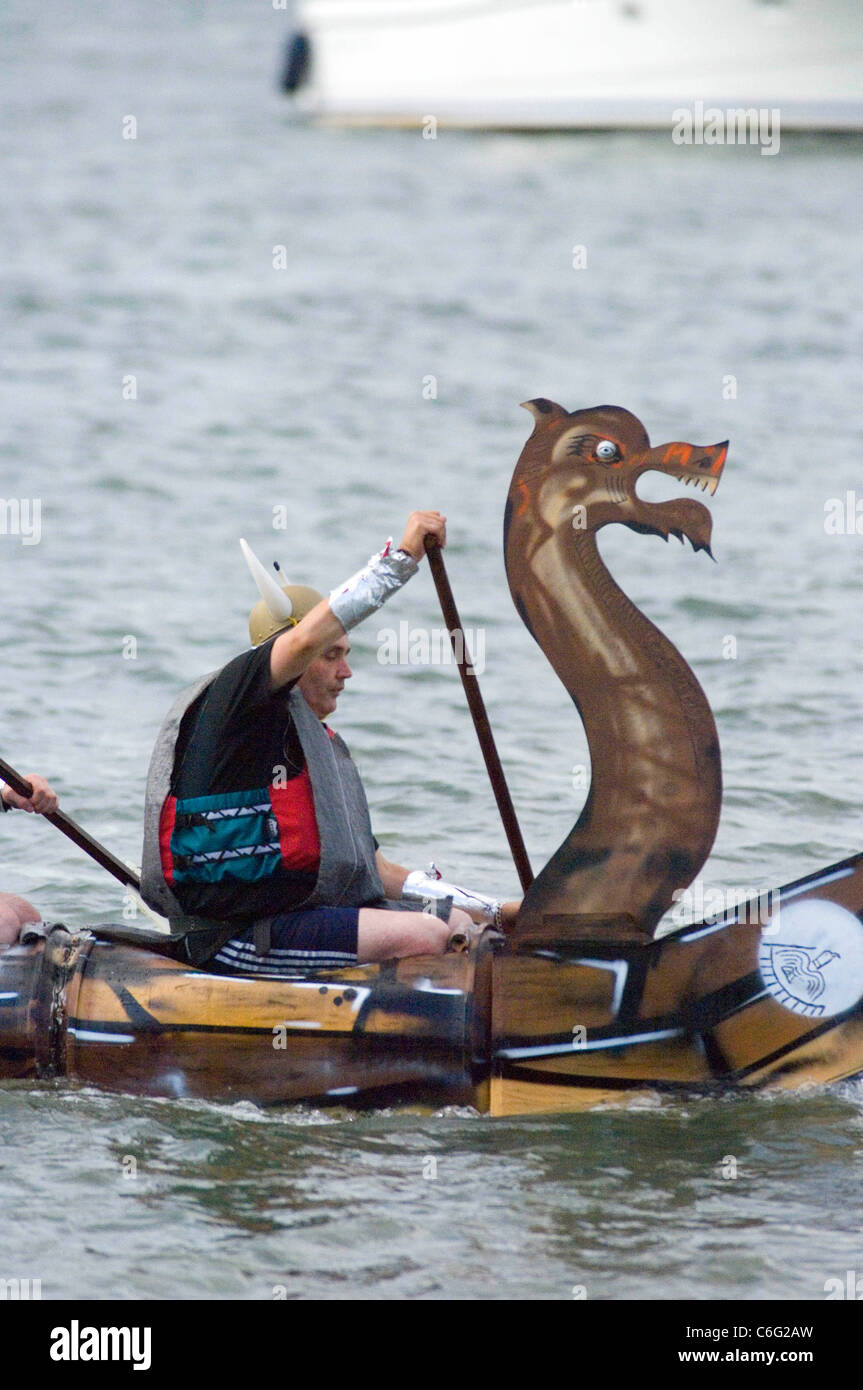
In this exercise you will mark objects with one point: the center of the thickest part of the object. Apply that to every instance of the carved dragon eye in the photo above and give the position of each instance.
(607, 451)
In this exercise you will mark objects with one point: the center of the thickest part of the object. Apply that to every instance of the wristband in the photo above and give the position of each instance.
(365, 592)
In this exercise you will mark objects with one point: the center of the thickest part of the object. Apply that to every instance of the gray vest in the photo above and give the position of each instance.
(347, 876)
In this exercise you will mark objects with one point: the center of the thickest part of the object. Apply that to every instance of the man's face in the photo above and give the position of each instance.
(323, 682)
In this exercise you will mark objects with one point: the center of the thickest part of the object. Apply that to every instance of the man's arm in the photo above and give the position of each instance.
(392, 876)
(393, 879)
(295, 650)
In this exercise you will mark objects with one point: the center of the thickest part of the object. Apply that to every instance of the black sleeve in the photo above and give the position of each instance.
(234, 730)
(243, 687)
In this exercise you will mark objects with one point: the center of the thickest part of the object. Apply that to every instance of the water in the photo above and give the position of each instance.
(302, 389)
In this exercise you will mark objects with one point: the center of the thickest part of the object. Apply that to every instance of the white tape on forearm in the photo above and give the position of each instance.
(366, 591)
(423, 887)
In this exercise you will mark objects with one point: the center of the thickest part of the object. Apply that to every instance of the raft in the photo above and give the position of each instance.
(563, 1019)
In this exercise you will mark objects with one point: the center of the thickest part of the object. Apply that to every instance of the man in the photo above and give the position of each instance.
(258, 843)
(16, 912)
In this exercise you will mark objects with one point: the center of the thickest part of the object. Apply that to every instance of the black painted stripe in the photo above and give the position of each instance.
(117, 1026)
(709, 1011)
(514, 1071)
(633, 989)
(136, 1014)
(788, 1048)
(725, 1002)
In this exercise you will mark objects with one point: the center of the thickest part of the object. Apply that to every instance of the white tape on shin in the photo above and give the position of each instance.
(367, 590)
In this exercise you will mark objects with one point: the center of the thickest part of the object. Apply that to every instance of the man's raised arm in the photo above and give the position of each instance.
(294, 650)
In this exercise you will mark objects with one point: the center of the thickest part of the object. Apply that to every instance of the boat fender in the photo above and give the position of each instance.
(297, 60)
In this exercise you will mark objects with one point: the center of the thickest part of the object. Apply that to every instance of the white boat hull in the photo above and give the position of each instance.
(559, 64)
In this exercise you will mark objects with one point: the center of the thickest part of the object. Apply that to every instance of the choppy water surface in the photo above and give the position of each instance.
(301, 390)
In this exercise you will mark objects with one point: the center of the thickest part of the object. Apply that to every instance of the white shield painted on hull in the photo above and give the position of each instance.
(813, 963)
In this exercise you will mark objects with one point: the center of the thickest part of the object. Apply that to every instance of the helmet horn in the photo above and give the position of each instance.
(278, 603)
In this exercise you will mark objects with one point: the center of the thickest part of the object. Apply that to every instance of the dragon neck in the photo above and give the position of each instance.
(655, 794)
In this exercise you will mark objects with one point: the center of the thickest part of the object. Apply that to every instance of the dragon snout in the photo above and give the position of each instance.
(701, 464)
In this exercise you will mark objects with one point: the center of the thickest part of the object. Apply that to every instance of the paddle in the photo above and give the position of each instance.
(74, 832)
(476, 705)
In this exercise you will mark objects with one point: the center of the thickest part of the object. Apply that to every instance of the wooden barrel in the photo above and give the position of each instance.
(107, 1013)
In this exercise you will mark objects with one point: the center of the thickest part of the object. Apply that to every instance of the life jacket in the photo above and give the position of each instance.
(240, 837)
(318, 820)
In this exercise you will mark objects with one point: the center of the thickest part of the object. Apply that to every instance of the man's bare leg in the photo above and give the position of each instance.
(15, 912)
(383, 935)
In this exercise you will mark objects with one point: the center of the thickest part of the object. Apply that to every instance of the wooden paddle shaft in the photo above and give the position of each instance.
(476, 704)
(74, 832)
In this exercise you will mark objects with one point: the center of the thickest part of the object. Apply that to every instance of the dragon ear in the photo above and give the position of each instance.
(545, 412)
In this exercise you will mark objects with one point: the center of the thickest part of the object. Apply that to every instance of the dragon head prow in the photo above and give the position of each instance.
(584, 465)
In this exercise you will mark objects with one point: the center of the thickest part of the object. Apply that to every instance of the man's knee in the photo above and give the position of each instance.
(388, 935)
(15, 912)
